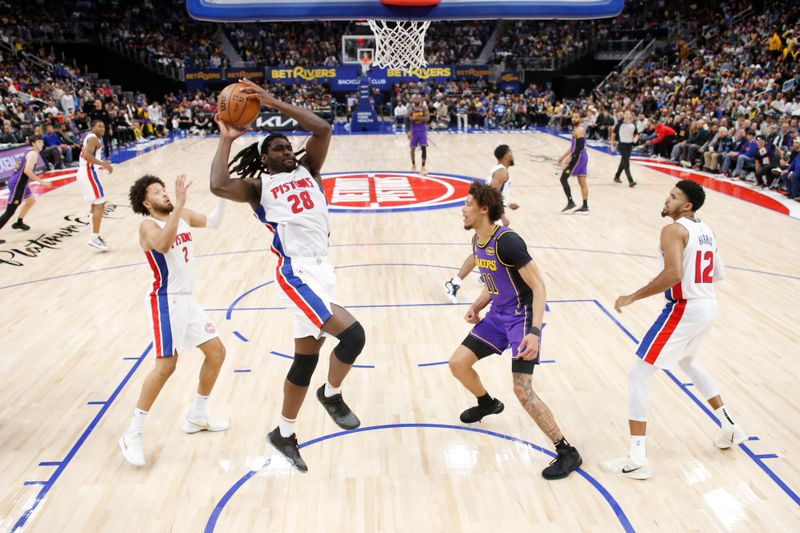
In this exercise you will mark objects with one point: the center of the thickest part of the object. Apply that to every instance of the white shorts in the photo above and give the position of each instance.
(90, 184)
(308, 289)
(179, 324)
(678, 332)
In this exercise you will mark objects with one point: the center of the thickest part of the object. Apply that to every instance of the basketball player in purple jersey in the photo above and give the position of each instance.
(514, 286)
(578, 162)
(418, 116)
(290, 202)
(18, 190)
(179, 323)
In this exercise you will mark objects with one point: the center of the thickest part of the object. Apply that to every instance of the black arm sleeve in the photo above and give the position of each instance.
(512, 250)
(616, 130)
(580, 144)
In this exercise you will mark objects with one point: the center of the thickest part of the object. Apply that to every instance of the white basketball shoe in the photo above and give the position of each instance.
(131, 446)
(626, 467)
(194, 423)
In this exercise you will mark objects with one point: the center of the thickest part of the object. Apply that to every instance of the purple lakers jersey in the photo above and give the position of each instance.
(510, 294)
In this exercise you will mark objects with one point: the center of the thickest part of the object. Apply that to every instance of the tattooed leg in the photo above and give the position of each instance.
(523, 388)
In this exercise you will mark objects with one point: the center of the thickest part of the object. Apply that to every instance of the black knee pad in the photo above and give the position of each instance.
(424, 152)
(351, 342)
(302, 369)
(564, 177)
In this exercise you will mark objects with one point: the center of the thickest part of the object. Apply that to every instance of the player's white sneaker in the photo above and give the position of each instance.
(193, 424)
(131, 446)
(99, 243)
(451, 289)
(625, 467)
(731, 436)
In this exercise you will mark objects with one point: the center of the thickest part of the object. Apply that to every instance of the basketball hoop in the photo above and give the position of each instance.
(401, 43)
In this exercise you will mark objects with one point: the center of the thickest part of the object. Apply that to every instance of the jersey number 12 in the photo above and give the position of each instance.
(707, 259)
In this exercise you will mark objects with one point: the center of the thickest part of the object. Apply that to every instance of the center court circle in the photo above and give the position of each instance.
(392, 191)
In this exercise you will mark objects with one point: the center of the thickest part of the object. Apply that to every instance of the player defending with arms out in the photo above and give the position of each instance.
(18, 190)
(514, 286)
(418, 116)
(576, 166)
(691, 263)
(179, 323)
(290, 202)
(499, 179)
(89, 181)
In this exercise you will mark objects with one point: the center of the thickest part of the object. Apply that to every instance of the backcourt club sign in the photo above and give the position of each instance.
(384, 191)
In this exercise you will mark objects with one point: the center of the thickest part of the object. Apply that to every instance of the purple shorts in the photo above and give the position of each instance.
(419, 136)
(13, 183)
(580, 166)
(496, 332)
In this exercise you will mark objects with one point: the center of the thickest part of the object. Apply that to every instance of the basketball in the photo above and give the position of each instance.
(237, 108)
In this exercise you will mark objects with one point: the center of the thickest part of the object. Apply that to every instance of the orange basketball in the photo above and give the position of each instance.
(235, 107)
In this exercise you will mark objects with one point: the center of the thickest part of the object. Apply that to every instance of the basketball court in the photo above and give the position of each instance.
(77, 347)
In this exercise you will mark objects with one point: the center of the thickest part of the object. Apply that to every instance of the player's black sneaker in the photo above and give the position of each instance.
(20, 225)
(287, 446)
(631, 184)
(570, 207)
(451, 289)
(583, 210)
(563, 464)
(476, 413)
(617, 180)
(339, 411)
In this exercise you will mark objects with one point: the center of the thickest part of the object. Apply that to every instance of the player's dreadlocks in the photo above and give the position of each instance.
(247, 163)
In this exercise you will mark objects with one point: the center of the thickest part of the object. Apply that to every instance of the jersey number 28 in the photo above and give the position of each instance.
(301, 202)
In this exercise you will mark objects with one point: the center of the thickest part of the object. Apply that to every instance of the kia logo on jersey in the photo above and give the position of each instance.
(388, 191)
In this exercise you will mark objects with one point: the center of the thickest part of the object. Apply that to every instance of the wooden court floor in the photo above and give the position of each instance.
(76, 349)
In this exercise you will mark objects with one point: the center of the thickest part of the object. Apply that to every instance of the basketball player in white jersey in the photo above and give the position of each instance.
(89, 182)
(691, 265)
(499, 179)
(287, 197)
(179, 323)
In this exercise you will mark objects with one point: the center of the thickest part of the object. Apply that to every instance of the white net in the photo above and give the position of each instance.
(399, 44)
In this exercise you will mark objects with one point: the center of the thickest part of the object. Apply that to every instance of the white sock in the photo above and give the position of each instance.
(456, 281)
(638, 449)
(199, 406)
(330, 390)
(137, 424)
(95, 236)
(724, 417)
(286, 427)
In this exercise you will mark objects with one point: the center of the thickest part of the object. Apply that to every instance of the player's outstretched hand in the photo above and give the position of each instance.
(181, 187)
(528, 348)
(106, 165)
(253, 89)
(621, 302)
(472, 316)
(228, 131)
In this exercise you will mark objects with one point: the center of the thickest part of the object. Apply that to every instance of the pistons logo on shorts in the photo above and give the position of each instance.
(210, 328)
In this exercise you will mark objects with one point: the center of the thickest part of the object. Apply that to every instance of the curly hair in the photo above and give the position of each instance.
(487, 196)
(247, 163)
(694, 192)
(138, 192)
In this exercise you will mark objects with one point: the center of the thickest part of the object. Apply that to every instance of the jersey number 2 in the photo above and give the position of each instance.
(185, 254)
(301, 202)
(706, 275)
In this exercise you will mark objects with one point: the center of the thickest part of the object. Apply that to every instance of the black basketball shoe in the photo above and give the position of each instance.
(563, 464)
(20, 225)
(476, 413)
(287, 446)
(339, 411)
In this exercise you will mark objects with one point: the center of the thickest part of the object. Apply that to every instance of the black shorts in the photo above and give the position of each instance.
(481, 350)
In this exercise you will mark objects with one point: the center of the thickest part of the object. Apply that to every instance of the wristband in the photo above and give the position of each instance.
(535, 331)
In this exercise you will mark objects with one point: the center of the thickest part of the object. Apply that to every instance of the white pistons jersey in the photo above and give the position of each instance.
(173, 271)
(505, 189)
(294, 208)
(97, 153)
(702, 264)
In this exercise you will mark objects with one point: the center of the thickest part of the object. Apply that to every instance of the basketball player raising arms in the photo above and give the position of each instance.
(515, 288)
(576, 160)
(18, 190)
(418, 116)
(179, 323)
(499, 179)
(287, 197)
(691, 263)
(89, 181)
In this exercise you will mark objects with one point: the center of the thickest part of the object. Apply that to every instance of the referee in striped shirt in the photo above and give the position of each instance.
(625, 133)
